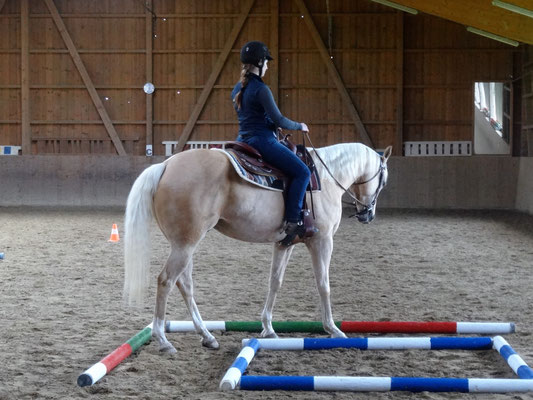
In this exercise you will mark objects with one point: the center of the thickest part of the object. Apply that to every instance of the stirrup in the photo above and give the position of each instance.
(293, 230)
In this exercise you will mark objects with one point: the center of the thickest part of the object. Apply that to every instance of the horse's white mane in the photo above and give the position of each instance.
(346, 161)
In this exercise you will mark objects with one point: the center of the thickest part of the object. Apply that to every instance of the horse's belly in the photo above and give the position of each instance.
(252, 215)
(249, 233)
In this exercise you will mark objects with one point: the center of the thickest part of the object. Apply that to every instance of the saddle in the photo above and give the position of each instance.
(251, 160)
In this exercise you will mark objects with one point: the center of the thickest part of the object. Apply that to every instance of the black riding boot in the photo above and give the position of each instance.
(293, 229)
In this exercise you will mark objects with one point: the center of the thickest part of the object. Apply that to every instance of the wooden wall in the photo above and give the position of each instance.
(409, 77)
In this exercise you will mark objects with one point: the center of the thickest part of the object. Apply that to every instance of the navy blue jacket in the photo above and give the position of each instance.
(259, 115)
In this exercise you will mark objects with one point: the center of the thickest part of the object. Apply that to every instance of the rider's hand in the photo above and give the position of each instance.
(304, 127)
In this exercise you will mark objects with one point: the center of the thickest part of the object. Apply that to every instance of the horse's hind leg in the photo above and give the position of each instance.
(280, 259)
(185, 285)
(178, 260)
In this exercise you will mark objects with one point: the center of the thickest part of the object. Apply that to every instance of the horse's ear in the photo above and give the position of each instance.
(387, 153)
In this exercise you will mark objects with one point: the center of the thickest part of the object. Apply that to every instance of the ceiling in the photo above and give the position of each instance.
(481, 14)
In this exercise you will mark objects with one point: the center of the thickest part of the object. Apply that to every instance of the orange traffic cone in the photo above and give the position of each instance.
(114, 234)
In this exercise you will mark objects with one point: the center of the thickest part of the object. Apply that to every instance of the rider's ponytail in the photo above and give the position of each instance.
(244, 81)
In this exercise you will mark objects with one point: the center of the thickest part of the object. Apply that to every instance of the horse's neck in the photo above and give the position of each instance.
(347, 162)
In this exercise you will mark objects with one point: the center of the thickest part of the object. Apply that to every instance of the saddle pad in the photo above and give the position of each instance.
(266, 182)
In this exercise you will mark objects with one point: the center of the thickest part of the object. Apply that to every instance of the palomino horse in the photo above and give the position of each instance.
(197, 190)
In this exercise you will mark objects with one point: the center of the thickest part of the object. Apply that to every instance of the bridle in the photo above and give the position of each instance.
(366, 208)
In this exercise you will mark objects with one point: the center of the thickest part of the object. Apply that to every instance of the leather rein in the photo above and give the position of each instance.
(366, 207)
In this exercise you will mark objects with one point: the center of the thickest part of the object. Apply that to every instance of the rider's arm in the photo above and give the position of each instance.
(264, 95)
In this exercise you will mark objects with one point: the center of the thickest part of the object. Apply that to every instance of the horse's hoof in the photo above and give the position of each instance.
(167, 349)
(210, 343)
(338, 334)
(269, 335)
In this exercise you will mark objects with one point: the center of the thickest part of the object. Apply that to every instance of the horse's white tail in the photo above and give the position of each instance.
(139, 215)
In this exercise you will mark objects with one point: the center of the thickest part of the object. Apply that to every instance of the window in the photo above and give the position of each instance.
(492, 117)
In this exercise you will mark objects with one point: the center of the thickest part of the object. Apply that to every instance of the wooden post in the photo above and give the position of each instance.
(527, 101)
(398, 142)
(149, 74)
(213, 77)
(274, 49)
(25, 76)
(85, 77)
(360, 128)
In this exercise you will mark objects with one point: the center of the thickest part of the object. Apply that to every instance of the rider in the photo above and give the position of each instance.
(259, 117)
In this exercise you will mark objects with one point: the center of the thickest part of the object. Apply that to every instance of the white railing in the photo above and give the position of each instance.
(457, 148)
(429, 149)
(170, 145)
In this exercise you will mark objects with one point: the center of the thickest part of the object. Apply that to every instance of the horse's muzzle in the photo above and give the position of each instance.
(365, 216)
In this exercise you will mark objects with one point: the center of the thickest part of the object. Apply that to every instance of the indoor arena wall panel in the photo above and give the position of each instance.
(409, 77)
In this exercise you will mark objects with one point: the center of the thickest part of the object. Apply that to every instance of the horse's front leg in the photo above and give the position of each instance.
(185, 285)
(321, 249)
(280, 259)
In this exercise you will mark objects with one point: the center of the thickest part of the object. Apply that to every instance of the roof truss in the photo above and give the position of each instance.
(481, 14)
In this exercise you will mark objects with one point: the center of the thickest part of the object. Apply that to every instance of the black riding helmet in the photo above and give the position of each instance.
(255, 53)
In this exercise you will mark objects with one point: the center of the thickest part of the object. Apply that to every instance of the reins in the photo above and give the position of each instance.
(356, 200)
(326, 167)
(310, 191)
(366, 207)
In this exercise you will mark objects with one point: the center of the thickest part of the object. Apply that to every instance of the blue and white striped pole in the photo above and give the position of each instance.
(233, 375)
(385, 384)
(393, 343)
(517, 364)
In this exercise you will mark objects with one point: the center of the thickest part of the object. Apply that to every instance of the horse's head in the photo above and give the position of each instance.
(367, 191)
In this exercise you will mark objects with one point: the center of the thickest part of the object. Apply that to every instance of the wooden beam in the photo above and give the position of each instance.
(149, 73)
(25, 76)
(360, 128)
(213, 77)
(274, 49)
(398, 143)
(527, 4)
(479, 14)
(85, 77)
